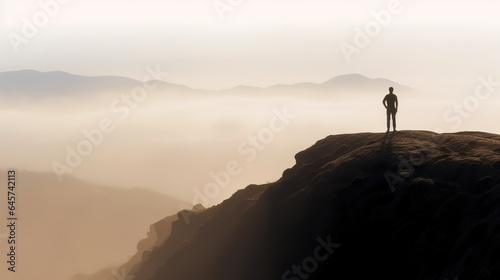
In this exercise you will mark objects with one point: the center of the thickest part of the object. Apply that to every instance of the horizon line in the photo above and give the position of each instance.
(204, 89)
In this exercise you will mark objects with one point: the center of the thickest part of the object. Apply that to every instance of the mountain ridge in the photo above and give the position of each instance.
(53, 82)
(59, 82)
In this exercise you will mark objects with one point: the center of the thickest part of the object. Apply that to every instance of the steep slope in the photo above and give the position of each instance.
(409, 205)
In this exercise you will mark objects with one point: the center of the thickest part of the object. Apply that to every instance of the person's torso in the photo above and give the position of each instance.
(391, 101)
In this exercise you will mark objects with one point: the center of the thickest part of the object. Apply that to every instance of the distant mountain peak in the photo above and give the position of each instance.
(36, 83)
(349, 78)
(359, 81)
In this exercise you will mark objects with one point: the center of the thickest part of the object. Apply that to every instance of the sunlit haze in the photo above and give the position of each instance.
(129, 111)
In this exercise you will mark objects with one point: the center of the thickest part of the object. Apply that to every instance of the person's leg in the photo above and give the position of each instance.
(394, 120)
(388, 119)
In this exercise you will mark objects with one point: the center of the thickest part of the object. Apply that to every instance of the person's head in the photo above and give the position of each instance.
(391, 89)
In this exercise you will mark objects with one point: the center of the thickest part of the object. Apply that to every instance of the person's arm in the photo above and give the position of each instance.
(397, 105)
(384, 101)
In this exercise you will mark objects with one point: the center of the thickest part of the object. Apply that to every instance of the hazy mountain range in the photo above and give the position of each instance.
(35, 84)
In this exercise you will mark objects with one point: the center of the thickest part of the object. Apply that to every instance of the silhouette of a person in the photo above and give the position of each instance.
(391, 104)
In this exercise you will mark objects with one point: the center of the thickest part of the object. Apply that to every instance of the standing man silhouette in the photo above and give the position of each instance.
(391, 104)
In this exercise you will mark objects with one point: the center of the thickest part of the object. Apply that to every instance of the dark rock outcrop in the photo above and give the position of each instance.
(406, 205)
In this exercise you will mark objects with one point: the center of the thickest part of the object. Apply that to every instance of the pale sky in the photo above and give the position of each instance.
(427, 44)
